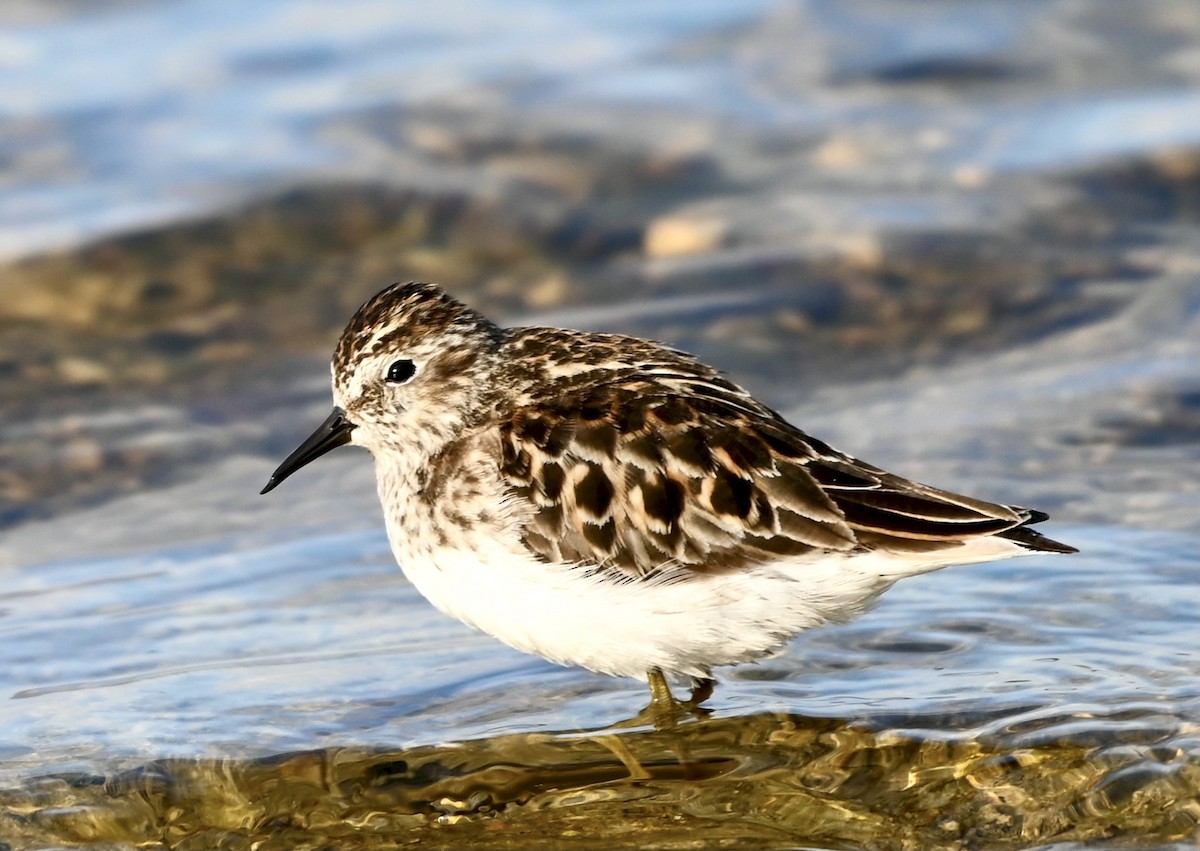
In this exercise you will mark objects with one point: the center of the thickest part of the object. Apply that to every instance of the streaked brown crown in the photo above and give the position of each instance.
(407, 315)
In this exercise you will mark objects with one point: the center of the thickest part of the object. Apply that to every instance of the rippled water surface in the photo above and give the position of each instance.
(958, 240)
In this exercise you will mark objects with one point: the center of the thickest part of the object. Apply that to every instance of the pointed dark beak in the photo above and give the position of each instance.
(331, 434)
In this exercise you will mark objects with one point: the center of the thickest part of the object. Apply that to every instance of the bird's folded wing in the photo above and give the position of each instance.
(682, 469)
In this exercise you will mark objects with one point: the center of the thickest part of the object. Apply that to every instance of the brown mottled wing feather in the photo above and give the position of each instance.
(667, 464)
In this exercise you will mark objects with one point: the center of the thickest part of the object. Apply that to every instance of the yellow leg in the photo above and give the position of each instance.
(660, 692)
(666, 710)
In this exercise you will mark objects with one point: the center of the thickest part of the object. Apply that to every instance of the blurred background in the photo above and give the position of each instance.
(957, 238)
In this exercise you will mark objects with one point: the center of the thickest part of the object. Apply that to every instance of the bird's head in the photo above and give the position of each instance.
(411, 371)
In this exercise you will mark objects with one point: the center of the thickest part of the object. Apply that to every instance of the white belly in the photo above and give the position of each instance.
(624, 628)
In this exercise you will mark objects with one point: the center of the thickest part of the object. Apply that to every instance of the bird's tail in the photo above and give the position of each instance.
(1031, 540)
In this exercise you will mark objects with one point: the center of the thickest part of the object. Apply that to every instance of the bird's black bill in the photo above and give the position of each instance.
(331, 434)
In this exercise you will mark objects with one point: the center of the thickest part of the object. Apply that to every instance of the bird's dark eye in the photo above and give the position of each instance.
(400, 371)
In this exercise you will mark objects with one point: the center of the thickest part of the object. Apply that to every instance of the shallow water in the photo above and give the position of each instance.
(186, 664)
(208, 100)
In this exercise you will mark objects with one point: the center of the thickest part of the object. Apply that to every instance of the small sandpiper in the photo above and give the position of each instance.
(605, 501)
